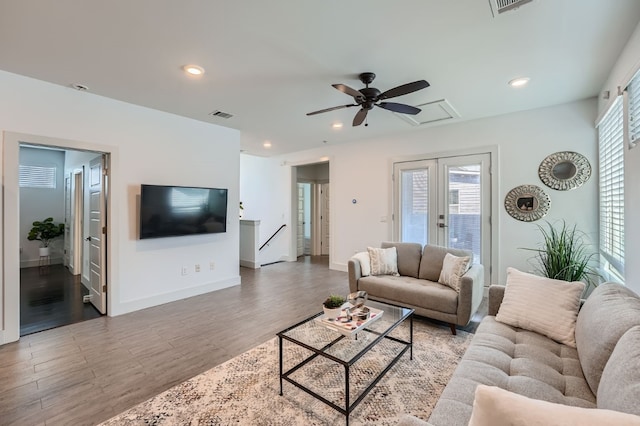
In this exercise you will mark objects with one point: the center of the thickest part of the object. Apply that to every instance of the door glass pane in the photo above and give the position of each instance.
(415, 206)
(464, 204)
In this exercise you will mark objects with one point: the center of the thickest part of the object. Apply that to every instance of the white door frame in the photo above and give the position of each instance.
(78, 217)
(495, 204)
(10, 218)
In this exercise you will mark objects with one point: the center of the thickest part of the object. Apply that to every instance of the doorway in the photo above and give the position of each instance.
(312, 211)
(446, 201)
(67, 186)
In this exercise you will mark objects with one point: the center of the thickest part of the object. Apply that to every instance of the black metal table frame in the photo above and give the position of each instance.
(348, 407)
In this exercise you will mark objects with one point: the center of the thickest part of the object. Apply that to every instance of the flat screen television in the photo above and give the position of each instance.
(169, 211)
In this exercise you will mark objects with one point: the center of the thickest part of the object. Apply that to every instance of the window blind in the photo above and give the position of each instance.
(37, 177)
(633, 115)
(611, 171)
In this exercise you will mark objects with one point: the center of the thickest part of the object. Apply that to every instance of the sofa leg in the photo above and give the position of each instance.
(453, 329)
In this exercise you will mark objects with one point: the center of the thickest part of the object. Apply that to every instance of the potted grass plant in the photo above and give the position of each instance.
(564, 255)
(332, 306)
(45, 231)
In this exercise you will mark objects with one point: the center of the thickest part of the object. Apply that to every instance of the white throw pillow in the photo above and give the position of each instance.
(365, 262)
(453, 268)
(383, 261)
(540, 304)
(494, 406)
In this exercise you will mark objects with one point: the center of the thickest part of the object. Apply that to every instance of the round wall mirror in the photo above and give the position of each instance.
(564, 170)
(527, 203)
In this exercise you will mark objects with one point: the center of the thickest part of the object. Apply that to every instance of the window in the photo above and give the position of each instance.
(37, 177)
(611, 172)
(632, 94)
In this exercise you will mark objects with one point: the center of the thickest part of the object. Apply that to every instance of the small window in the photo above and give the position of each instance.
(37, 177)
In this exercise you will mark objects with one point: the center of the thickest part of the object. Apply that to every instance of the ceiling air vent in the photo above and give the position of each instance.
(501, 6)
(431, 112)
(220, 114)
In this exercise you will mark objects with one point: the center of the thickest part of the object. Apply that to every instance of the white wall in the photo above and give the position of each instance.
(147, 146)
(362, 171)
(627, 65)
(41, 203)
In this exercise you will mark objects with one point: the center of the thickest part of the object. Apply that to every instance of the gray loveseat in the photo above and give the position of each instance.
(602, 372)
(417, 286)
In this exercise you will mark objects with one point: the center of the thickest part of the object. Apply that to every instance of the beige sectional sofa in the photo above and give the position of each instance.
(603, 371)
(417, 285)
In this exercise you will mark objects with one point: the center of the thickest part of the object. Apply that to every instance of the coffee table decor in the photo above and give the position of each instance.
(351, 321)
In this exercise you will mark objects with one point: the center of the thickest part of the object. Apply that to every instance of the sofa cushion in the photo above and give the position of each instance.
(517, 360)
(497, 407)
(409, 255)
(365, 262)
(540, 304)
(412, 292)
(383, 261)
(619, 387)
(433, 258)
(453, 268)
(607, 314)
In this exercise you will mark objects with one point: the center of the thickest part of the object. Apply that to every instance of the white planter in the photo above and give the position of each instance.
(44, 251)
(332, 313)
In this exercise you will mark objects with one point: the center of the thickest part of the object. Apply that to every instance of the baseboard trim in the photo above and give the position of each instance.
(249, 264)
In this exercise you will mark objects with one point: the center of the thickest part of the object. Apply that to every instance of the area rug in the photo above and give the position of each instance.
(245, 389)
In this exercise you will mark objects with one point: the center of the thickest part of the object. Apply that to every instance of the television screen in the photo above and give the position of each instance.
(167, 211)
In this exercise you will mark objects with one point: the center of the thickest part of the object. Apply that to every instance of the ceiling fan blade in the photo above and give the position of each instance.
(404, 89)
(360, 116)
(348, 90)
(401, 108)
(331, 109)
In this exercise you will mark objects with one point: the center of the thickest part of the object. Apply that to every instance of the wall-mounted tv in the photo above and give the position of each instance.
(169, 211)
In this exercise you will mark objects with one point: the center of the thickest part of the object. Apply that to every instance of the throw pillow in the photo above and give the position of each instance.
(540, 304)
(365, 262)
(383, 261)
(493, 406)
(453, 268)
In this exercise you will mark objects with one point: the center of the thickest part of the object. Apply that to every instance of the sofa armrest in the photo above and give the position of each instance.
(471, 293)
(408, 420)
(496, 293)
(355, 273)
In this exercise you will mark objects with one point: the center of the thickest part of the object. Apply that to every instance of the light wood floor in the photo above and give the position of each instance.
(85, 373)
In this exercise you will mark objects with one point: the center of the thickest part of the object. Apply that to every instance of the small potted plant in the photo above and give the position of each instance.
(332, 306)
(44, 232)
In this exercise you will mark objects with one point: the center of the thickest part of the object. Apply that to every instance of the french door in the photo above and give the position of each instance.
(447, 202)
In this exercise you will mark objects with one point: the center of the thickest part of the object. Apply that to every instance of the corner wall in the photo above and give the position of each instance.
(362, 170)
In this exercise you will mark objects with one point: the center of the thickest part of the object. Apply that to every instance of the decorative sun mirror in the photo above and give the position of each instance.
(527, 203)
(564, 170)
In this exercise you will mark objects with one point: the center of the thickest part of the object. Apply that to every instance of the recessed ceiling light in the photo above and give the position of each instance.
(267, 144)
(519, 82)
(337, 125)
(193, 70)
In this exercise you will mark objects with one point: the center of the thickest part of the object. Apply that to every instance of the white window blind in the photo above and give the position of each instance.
(611, 171)
(633, 115)
(37, 177)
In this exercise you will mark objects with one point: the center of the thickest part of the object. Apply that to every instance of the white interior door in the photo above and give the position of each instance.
(97, 235)
(300, 227)
(324, 218)
(447, 202)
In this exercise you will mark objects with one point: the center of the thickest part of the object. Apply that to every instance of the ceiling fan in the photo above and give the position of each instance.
(369, 97)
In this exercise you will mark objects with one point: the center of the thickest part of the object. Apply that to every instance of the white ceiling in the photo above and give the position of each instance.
(270, 62)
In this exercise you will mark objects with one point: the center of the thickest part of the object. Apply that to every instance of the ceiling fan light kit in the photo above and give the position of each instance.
(370, 97)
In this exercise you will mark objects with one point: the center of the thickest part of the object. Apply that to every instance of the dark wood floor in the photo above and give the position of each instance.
(51, 297)
(85, 373)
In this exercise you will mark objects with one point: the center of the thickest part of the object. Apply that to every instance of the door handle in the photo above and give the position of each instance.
(442, 225)
(88, 239)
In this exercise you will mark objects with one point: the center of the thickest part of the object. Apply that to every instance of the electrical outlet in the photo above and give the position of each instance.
(185, 270)
(212, 265)
(197, 267)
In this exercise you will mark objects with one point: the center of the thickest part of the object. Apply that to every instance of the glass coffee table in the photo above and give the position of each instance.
(339, 369)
